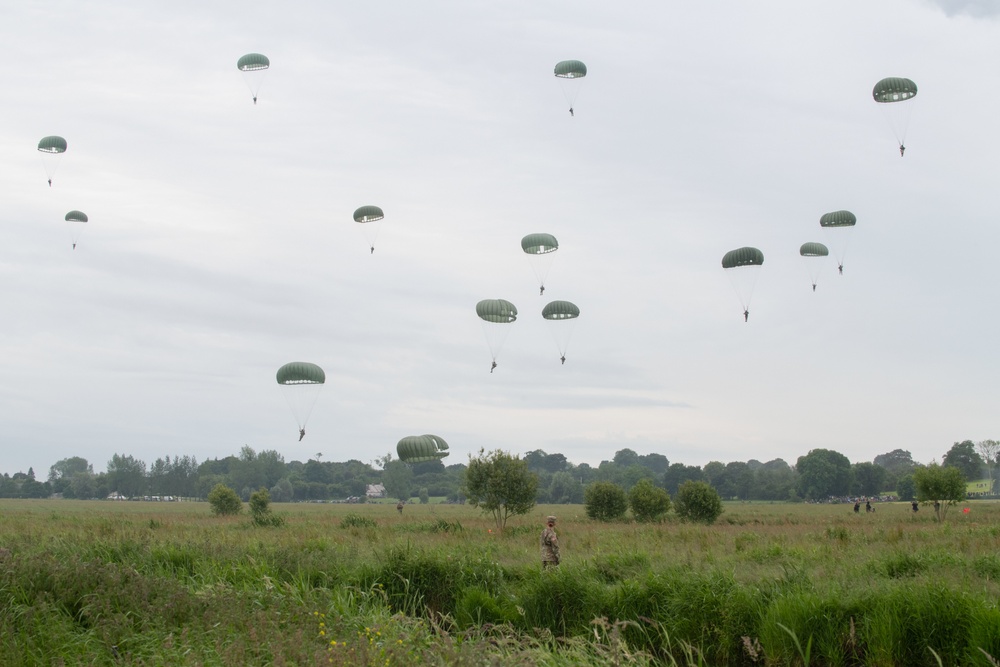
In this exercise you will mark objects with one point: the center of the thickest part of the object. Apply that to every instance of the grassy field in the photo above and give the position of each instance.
(95, 583)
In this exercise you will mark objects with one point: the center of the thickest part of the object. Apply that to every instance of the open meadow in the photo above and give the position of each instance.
(139, 583)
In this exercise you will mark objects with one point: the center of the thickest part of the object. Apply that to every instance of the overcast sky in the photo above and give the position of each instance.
(221, 243)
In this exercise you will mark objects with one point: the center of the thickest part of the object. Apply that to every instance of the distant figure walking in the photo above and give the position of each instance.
(916, 508)
(857, 507)
(868, 507)
(399, 507)
(550, 543)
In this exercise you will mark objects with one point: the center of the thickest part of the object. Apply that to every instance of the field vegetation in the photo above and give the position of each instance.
(112, 583)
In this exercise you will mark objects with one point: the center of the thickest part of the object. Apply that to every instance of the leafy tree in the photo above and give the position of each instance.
(260, 509)
(585, 473)
(66, 468)
(714, 473)
(605, 501)
(425, 497)
(896, 462)
(127, 475)
(565, 488)
(397, 477)
(678, 473)
(500, 484)
(739, 480)
(224, 501)
(539, 461)
(207, 482)
(905, 488)
(658, 463)
(314, 471)
(942, 485)
(823, 473)
(989, 451)
(626, 458)
(963, 456)
(632, 475)
(869, 479)
(649, 503)
(774, 480)
(81, 485)
(698, 502)
(283, 492)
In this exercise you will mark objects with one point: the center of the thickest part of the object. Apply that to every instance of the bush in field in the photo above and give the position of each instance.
(942, 485)
(500, 484)
(648, 502)
(698, 502)
(224, 501)
(605, 501)
(424, 496)
(260, 509)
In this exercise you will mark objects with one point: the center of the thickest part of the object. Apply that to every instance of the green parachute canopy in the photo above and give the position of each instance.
(570, 69)
(52, 144)
(497, 316)
(371, 217)
(300, 372)
(561, 320)
(814, 250)
(252, 62)
(838, 219)
(496, 311)
(742, 257)
(838, 225)
(539, 250)
(368, 214)
(743, 265)
(254, 67)
(813, 254)
(76, 216)
(560, 310)
(894, 89)
(539, 244)
(420, 448)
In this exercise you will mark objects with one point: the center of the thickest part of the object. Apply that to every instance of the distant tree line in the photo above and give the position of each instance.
(819, 475)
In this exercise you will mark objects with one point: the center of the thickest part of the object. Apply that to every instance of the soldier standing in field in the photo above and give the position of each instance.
(550, 543)
(399, 507)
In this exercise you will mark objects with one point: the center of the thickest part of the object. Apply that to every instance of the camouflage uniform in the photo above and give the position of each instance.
(550, 544)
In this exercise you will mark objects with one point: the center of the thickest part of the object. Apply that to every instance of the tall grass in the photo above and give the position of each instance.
(95, 583)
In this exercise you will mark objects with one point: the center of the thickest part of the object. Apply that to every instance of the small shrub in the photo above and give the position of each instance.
(649, 503)
(224, 501)
(260, 510)
(698, 502)
(605, 501)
